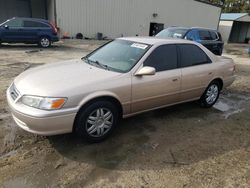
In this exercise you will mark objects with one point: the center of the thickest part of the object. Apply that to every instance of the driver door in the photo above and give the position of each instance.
(161, 89)
(12, 31)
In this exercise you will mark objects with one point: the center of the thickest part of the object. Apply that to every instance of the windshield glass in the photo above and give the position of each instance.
(118, 55)
(172, 32)
(3, 23)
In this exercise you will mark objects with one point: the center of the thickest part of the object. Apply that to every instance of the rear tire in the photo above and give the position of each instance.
(211, 94)
(44, 42)
(96, 121)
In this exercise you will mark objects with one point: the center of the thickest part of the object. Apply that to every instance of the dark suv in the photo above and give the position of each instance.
(28, 30)
(211, 39)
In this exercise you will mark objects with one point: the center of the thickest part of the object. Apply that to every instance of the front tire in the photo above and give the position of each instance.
(44, 42)
(96, 121)
(211, 94)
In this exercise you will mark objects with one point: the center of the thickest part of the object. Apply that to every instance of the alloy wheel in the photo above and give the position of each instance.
(45, 42)
(212, 94)
(99, 122)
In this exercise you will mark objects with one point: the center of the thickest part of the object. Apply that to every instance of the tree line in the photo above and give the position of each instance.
(232, 6)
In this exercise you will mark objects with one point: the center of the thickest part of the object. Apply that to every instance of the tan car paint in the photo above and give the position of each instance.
(80, 83)
(194, 80)
(153, 91)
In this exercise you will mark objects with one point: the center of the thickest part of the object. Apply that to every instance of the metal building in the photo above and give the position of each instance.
(235, 27)
(115, 18)
(22, 8)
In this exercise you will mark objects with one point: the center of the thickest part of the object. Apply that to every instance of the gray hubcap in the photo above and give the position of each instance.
(44, 42)
(212, 94)
(99, 122)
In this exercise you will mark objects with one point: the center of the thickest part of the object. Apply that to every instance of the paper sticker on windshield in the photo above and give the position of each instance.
(177, 35)
(141, 46)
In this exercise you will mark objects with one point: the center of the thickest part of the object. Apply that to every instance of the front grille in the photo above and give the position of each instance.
(14, 93)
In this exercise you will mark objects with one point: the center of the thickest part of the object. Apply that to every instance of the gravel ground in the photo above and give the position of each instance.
(179, 146)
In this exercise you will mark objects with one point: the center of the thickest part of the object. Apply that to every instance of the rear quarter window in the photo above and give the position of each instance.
(191, 55)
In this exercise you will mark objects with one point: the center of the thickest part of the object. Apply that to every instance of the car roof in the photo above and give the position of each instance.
(203, 28)
(156, 40)
(31, 19)
(176, 27)
(190, 28)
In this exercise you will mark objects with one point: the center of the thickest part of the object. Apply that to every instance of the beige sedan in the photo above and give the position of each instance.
(125, 77)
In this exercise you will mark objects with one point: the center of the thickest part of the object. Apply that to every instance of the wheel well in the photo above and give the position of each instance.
(219, 80)
(103, 98)
(45, 36)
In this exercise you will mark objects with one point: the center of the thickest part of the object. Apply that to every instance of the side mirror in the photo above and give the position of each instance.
(6, 26)
(146, 71)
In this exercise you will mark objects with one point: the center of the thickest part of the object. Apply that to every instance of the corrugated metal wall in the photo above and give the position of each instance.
(225, 29)
(240, 32)
(114, 18)
(11, 8)
(38, 9)
(22, 8)
(51, 10)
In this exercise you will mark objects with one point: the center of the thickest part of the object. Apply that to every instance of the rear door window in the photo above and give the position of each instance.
(163, 58)
(204, 35)
(28, 23)
(191, 55)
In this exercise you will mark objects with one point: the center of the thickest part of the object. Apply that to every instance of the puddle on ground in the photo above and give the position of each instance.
(229, 105)
(227, 115)
(221, 106)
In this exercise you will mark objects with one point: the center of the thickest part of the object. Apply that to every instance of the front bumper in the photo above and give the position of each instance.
(41, 122)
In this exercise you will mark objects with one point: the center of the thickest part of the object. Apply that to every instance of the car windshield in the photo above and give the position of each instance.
(3, 23)
(118, 55)
(172, 32)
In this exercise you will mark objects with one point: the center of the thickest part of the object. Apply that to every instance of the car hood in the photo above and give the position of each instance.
(62, 79)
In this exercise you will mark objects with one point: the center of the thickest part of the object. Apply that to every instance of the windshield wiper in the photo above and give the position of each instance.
(96, 63)
(101, 65)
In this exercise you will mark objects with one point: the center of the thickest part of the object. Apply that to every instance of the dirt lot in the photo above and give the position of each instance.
(180, 146)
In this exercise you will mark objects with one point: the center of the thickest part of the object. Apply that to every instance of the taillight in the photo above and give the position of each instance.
(53, 28)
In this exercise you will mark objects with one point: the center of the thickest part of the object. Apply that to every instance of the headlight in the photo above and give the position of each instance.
(44, 103)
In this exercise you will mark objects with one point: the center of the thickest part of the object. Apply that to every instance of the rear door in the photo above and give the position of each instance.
(12, 31)
(161, 89)
(196, 71)
(34, 29)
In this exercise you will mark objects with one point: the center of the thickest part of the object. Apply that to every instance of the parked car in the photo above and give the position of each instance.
(28, 30)
(209, 38)
(123, 78)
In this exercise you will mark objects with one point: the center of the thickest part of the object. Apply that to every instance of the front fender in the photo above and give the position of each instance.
(96, 95)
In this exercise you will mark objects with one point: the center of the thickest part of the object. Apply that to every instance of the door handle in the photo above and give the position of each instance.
(175, 79)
